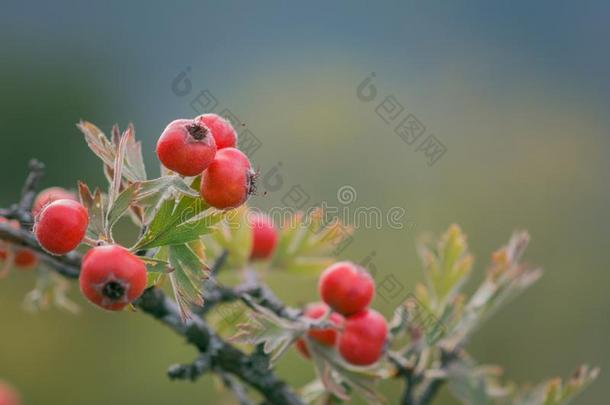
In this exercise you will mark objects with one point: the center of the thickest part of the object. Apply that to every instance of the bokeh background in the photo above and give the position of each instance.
(517, 92)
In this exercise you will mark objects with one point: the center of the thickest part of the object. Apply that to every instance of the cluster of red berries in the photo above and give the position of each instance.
(111, 276)
(206, 145)
(360, 333)
(24, 258)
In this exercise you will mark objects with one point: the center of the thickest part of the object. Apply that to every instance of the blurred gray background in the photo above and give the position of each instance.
(517, 93)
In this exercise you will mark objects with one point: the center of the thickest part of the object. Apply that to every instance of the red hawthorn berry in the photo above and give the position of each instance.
(228, 181)
(49, 195)
(24, 258)
(346, 287)
(186, 147)
(264, 236)
(111, 277)
(363, 338)
(8, 395)
(61, 225)
(223, 132)
(327, 336)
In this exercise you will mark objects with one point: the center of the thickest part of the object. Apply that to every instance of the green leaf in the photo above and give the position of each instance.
(178, 222)
(186, 278)
(337, 375)
(122, 204)
(106, 150)
(446, 266)
(557, 392)
(307, 245)
(94, 203)
(265, 327)
(234, 236)
(506, 278)
(474, 384)
(134, 155)
(117, 168)
(158, 267)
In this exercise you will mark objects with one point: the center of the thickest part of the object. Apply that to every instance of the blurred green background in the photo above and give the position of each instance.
(517, 92)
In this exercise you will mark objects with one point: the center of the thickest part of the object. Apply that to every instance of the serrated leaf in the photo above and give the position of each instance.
(506, 278)
(134, 155)
(475, 384)
(186, 278)
(94, 203)
(157, 267)
(447, 266)
(178, 222)
(265, 327)
(122, 203)
(106, 150)
(234, 236)
(336, 374)
(189, 231)
(307, 245)
(557, 392)
(97, 142)
(120, 146)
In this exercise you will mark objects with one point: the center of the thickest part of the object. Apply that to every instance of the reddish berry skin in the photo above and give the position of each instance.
(49, 195)
(228, 181)
(326, 336)
(8, 396)
(363, 338)
(186, 147)
(24, 259)
(223, 132)
(346, 287)
(61, 225)
(264, 236)
(111, 277)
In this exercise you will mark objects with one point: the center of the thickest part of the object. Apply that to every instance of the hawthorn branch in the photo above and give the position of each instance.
(30, 187)
(215, 353)
(413, 380)
(22, 210)
(67, 265)
(238, 390)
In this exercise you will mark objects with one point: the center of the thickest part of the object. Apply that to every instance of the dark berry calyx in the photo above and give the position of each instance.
(113, 290)
(251, 178)
(197, 131)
